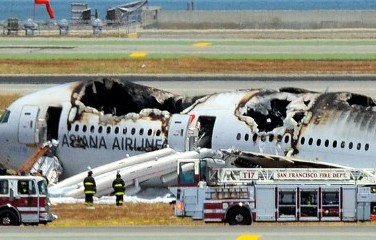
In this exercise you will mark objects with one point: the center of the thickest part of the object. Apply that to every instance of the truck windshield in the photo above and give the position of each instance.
(42, 187)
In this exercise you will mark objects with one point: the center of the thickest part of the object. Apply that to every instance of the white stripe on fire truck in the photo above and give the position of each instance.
(28, 209)
(214, 211)
(213, 220)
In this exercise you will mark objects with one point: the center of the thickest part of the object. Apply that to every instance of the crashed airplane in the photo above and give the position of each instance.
(102, 121)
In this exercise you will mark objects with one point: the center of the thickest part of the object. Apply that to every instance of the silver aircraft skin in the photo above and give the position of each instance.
(103, 120)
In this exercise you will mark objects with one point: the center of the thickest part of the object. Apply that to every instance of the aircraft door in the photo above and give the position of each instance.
(205, 135)
(177, 133)
(27, 126)
(52, 119)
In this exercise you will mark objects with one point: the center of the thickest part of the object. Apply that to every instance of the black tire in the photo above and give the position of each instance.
(239, 216)
(9, 218)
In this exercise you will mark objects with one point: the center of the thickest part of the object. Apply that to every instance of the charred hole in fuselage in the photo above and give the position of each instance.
(298, 116)
(295, 90)
(360, 100)
(116, 97)
(274, 117)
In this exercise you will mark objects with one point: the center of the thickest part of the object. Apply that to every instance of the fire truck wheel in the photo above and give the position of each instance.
(8, 217)
(239, 216)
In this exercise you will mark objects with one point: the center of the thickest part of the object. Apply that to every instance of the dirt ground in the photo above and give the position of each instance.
(111, 215)
(187, 65)
(132, 214)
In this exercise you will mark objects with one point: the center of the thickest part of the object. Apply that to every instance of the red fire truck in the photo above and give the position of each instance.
(243, 195)
(24, 200)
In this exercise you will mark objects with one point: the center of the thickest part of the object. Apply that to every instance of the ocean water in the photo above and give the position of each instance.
(24, 9)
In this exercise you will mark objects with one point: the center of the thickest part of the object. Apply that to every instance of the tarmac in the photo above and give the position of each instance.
(219, 232)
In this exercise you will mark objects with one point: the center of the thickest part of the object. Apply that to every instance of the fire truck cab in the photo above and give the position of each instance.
(243, 195)
(24, 200)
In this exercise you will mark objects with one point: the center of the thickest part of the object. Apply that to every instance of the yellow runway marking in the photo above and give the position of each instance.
(248, 237)
(138, 54)
(202, 44)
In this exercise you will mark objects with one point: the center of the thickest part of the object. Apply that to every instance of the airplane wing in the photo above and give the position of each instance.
(252, 159)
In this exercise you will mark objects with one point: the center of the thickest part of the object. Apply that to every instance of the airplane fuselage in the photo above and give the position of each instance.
(337, 128)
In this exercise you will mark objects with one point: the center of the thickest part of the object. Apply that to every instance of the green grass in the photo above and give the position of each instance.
(142, 42)
(92, 42)
(277, 56)
(35, 54)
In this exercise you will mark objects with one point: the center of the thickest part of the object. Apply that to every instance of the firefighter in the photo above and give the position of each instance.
(23, 187)
(119, 189)
(90, 188)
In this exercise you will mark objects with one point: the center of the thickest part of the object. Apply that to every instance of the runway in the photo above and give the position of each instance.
(93, 48)
(189, 85)
(201, 48)
(217, 232)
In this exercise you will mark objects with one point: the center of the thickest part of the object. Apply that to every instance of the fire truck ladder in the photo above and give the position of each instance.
(28, 164)
(248, 176)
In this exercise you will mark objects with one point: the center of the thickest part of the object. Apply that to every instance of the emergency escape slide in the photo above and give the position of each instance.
(134, 170)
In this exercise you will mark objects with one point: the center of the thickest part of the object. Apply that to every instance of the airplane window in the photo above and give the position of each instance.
(238, 136)
(124, 130)
(84, 128)
(326, 143)
(69, 127)
(302, 141)
(133, 131)
(4, 118)
(350, 145)
(335, 143)
(287, 138)
(254, 138)
(263, 138)
(141, 132)
(366, 147)
(108, 130)
(150, 132)
(158, 133)
(343, 144)
(359, 146)
(76, 128)
(92, 129)
(279, 138)
(271, 137)
(100, 129)
(310, 141)
(246, 137)
(318, 142)
(116, 130)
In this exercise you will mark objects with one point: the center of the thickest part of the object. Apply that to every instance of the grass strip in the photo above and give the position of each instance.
(225, 56)
(167, 42)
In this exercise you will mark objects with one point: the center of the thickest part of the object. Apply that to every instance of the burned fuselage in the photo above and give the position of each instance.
(113, 106)
(294, 112)
(103, 120)
(331, 127)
